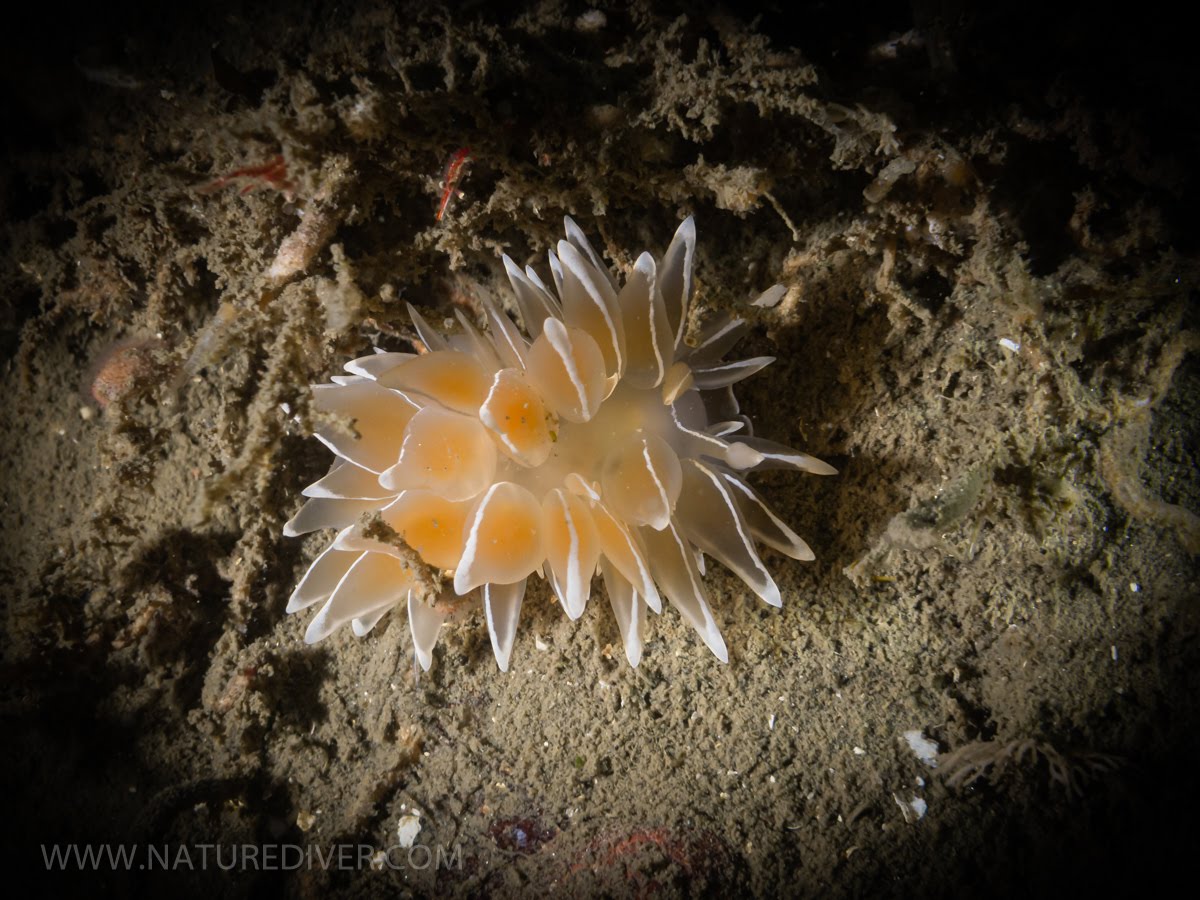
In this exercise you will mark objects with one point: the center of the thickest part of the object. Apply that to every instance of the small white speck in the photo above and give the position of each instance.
(1010, 345)
(771, 722)
(859, 751)
(1134, 586)
(1114, 652)
(540, 644)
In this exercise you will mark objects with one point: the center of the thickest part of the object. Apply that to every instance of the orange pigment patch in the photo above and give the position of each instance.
(514, 410)
(431, 525)
(454, 379)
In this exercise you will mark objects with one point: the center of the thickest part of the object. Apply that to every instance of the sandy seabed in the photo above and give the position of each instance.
(984, 221)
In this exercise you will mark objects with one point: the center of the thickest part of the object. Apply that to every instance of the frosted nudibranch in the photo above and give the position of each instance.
(597, 440)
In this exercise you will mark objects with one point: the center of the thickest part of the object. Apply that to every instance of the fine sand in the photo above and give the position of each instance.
(984, 224)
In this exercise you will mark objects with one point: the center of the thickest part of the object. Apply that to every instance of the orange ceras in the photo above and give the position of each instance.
(455, 170)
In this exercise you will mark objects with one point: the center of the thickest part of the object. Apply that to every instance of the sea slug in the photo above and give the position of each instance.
(596, 440)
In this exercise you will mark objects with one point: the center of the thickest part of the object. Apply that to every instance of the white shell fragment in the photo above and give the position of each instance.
(595, 441)
(923, 748)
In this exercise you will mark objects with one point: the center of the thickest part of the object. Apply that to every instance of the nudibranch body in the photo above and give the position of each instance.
(597, 441)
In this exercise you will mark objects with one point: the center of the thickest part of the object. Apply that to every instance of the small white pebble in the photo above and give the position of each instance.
(1134, 586)
(408, 828)
(770, 297)
(592, 20)
(923, 748)
(859, 751)
(1011, 346)
(771, 722)
(540, 644)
